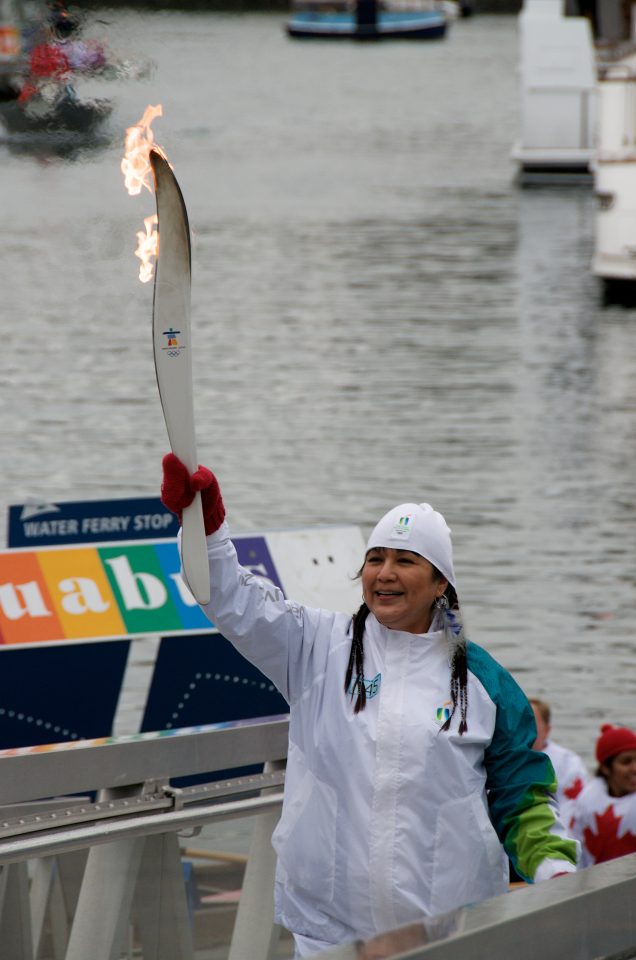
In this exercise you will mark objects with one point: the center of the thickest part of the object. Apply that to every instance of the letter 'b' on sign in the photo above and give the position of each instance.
(140, 591)
(137, 580)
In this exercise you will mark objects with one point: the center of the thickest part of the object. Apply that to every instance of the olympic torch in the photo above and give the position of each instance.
(172, 343)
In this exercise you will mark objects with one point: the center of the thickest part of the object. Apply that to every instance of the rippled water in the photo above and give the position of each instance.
(380, 315)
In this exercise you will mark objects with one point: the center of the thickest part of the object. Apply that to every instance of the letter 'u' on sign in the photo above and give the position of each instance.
(82, 595)
(27, 612)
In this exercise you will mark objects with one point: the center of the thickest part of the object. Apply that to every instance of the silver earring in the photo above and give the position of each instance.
(442, 602)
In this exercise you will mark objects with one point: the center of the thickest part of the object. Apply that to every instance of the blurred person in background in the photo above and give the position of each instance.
(604, 813)
(571, 772)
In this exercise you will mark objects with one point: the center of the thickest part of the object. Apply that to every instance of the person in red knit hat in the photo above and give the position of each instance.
(604, 814)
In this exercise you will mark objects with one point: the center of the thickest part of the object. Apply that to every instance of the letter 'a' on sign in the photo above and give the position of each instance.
(81, 594)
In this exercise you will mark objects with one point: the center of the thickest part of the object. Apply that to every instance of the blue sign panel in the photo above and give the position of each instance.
(203, 679)
(53, 694)
(89, 521)
(253, 553)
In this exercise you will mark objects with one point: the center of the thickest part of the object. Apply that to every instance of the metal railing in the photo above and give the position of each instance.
(79, 873)
(589, 915)
(85, 868)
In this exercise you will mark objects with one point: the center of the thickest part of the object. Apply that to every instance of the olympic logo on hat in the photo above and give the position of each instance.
(404, 526)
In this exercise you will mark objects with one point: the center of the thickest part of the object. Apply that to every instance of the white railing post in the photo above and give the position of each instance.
(43, 881)
(255, 934)
(16, 940)
(161, 906)
(67, 883)
(103, 907)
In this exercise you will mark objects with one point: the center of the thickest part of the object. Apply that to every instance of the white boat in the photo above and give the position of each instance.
(558, 80)
(578, 97)
(615, 181)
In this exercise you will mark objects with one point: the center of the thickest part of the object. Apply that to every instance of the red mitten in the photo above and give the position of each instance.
(211, 499)
(176, 493)
(178, 489)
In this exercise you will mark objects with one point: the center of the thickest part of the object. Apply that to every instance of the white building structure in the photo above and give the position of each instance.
(558, 90)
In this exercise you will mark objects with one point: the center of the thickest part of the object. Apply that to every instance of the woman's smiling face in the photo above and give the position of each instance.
(400, 587)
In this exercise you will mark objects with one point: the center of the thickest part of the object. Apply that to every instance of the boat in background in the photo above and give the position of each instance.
(578, 79)
(453, 9)
(558, 94)
(614, 260)
(45, 57)
(63, 115)
(366, 20)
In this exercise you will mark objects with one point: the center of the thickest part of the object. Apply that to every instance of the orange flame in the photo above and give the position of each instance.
(135, 165)
(147, 247)
(136, 169)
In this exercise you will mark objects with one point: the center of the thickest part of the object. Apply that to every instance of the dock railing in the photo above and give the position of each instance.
(588, 915)
(90, 841)
(90, 852)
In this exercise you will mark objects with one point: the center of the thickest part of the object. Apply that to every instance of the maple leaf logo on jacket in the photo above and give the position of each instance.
(606, 844)
(574, 789)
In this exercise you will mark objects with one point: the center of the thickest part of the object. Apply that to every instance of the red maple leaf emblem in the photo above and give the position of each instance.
(574, 789)
(605, 844)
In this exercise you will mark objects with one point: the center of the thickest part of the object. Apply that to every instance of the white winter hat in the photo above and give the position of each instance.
(417, 527)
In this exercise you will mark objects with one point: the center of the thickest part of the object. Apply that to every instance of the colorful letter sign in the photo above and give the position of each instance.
(106, 591)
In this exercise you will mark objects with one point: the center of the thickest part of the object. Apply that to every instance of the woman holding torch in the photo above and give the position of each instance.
(411, 776)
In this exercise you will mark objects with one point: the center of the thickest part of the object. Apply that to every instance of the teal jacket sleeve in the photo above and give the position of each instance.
(520, 781)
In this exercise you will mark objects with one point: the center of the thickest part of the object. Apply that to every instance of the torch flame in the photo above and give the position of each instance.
(147, 247)
(136, 169)
(135, 165)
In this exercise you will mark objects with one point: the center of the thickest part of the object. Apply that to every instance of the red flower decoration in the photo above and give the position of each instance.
(605, 844)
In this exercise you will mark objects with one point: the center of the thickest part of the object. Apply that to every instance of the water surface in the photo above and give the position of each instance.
(380, 315)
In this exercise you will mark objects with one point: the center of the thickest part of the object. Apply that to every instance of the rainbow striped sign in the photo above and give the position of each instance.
(101, 592)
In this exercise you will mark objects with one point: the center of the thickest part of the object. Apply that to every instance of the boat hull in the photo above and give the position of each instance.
(391, 25)
(66, 116)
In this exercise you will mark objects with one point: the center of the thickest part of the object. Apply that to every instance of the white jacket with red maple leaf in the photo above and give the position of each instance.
(605, 825)
(571, 774)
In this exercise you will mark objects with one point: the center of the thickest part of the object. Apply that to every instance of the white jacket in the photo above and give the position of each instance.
(386, 818)
(571, 774)
(605, 825)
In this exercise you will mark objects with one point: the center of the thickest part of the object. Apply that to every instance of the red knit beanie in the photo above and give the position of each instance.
(614, 740)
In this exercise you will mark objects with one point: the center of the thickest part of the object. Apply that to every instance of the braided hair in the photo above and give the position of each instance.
(446, 609)
(453, 626)
(356, 660)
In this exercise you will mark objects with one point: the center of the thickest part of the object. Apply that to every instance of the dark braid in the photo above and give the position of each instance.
(459, 689)
(356, 659)
(454, 628)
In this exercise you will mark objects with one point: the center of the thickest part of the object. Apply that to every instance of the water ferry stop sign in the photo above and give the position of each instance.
(89, 521)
